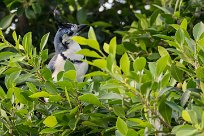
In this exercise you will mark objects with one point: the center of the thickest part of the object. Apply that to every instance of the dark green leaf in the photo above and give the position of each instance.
(176, 73)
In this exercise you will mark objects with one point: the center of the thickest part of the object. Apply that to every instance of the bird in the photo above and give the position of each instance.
(65, 49)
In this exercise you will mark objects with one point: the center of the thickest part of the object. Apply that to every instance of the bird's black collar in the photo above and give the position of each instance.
(66, 58)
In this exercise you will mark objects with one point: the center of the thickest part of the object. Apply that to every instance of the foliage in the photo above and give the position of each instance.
(147, 80)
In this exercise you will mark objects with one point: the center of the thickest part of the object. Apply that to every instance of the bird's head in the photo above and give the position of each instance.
(64, 34)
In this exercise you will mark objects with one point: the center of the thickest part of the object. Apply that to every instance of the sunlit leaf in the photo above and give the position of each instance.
(121, 126)
(50, 121)
(44, 41)
(91, 34)
(89, 53)
(125, 63)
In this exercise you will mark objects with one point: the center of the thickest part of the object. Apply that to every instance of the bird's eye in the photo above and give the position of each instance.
(71, 33)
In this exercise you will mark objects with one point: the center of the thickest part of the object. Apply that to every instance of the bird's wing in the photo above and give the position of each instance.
(52, 63)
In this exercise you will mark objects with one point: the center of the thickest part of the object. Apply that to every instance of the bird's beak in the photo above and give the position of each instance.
(81, 27)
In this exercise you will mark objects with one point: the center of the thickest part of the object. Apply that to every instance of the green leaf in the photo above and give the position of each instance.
(176, 73)
(184, 24)
(101, 23)
(186, 116)
(184, 130)
(6, 21)
(96, 73)
(90, 98)
(2, 93)
(68, 66)
(50, 121)
(10, 80)
(132, 132)
(121, 126)
(91, 34)
(119, 111)
(50, 87)
(36, 8)
(162, 51)
(200, 72)
(110, 62)
(106, 48)
(100, 63)
(49, 131)
(164, 37)
(46, 73)
(80, 40)
(71, 74)
(30, 13)
(44, 55)
(19, 96)
(43, 41)
(81, 15)
(112, 46)
(5, 55)
(27, 43)
(165, 110)
(40, 94)
(174, 106)
(125, 63)
(185, 97)
(67, 96)
(111, 96)
(180, 36)
(93, 44)
(198, 29)
(154, 17)
(163, 9)
(89, 53)
(139, 64)
(161, 64)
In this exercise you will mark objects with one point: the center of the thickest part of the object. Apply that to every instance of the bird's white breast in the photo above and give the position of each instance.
(81, 68)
